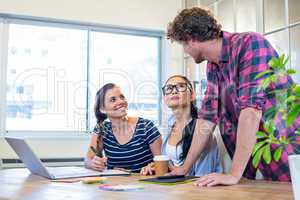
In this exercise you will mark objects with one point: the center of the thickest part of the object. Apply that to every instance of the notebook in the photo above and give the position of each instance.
(170, 180)
(120, 187)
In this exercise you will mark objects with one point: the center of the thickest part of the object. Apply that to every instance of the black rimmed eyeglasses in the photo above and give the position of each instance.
(180, 87)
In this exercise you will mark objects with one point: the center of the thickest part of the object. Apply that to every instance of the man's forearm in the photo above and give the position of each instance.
(203, 131)
(248, 125)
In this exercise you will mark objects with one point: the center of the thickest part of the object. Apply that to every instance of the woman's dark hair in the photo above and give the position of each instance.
(187, 137)
(194, 23)
(188, 130)
(99, 102)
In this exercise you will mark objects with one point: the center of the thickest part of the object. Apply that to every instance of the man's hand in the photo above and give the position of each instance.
(216, 179)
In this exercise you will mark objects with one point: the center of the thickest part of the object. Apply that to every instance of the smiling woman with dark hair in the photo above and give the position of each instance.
(128, 142)
(180, 98)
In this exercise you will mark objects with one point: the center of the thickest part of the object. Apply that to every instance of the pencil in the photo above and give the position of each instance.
(98, 153)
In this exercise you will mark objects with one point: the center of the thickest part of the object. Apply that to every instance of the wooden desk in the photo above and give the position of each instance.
(20, 184)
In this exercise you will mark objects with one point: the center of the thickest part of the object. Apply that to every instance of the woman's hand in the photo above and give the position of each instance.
(98, 164)
(174, 170)
(148, 170)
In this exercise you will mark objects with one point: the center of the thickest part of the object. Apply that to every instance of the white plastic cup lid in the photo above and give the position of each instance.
(161, 158)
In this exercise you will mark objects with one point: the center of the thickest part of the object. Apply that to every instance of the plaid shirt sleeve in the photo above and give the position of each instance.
(209, 108)
(254, 57)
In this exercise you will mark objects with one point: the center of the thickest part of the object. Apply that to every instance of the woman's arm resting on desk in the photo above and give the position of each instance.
(248, 125)
(155, 146)
(92, 161)
(201, 135)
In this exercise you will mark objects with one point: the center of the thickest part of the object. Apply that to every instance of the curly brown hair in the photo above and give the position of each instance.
(194, 23)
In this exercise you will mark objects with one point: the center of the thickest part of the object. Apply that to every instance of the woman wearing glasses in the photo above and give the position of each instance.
(180, 98)
(128, 142)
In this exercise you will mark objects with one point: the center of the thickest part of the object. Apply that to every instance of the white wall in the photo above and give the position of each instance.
(141, 14)
(152, 14)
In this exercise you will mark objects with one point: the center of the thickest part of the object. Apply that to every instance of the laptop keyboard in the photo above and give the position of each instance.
(69, 171)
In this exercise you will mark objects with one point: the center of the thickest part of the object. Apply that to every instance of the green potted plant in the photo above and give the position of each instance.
(287, 106)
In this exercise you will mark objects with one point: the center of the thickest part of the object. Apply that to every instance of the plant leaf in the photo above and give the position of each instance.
(297, 132)
(262, 74)
(274, 78)
(267, 154)
(291, 99)
(291, 71)
(282, 139)
(260, 134)
(265, 83)
(269, 126)
(292, 115)
(286, 60)
(257, 146)
(296, 90)
(277, 153)
(257, 157)
(270, 113)
(272, 62)
(281, 62)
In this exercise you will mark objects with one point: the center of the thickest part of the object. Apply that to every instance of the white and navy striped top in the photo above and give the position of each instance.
(136, 153)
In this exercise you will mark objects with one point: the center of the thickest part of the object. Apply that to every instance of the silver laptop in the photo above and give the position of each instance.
(34, 164)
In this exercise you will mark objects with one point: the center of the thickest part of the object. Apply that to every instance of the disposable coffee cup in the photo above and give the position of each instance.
(161, 164)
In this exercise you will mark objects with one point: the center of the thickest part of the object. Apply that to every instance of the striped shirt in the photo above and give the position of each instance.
(136, 153)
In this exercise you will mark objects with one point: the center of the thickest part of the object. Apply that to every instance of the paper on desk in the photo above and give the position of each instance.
(68, 180)
(120, 187)
(86, 180)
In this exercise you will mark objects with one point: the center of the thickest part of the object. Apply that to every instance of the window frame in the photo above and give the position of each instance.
(3, 73)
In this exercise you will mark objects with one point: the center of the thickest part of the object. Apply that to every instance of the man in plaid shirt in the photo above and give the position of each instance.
(232, 99)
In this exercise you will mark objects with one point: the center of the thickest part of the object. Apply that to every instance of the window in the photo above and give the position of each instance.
(278, 20)
(54, 69)
(207, 2)
(245, 15)
(131, 62)
(46, 78)
(225, 14)
(294, 7)
(282, 35)
(295, 51)
(191, 3)
(274, 15)
(3, 47)
(279, 41)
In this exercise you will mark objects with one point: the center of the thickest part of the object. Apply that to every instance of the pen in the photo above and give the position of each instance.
(98, 153)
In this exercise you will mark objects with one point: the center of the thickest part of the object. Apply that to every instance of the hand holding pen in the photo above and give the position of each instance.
(98, 162)
(98, 153)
